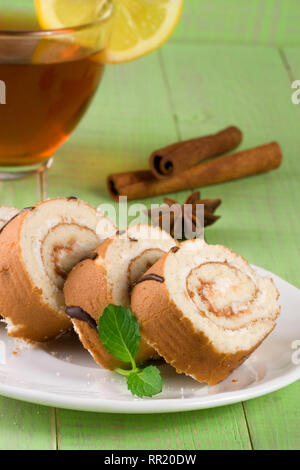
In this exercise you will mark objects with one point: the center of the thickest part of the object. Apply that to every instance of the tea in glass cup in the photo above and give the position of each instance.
(47, 81)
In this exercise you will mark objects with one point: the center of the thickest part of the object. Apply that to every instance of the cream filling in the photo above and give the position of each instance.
(62, 247)
(221, 289)
(142, 262)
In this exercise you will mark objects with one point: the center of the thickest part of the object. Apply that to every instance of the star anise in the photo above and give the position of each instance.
(181, 215)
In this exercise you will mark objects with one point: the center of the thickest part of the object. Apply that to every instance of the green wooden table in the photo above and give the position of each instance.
(229, 62)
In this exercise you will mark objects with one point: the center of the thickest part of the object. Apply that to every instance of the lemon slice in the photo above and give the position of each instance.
(57, 14)
(139, 26)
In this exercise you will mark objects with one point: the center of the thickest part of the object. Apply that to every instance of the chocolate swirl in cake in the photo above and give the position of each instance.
(149, 277)
(91, 256)
(10, 220)
(79, 314)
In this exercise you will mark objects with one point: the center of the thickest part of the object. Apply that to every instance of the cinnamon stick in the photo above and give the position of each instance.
(176, 158)
(142, 184)
(118, 182)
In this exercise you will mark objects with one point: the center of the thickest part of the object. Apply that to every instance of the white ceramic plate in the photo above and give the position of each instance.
(62, 374)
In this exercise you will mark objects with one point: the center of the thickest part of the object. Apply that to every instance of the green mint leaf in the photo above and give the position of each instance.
(119, 331)
(145, 383)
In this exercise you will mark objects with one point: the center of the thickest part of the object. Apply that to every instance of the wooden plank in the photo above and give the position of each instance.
(26, 427)
(274, 420)
(287, 30)
(214, 21)
(291, 57)
(219, 428)
(240, 21)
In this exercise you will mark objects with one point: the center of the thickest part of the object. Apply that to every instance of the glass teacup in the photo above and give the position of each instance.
(47, 80)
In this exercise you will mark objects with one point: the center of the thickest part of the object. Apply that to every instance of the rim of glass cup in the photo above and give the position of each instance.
(107, 13)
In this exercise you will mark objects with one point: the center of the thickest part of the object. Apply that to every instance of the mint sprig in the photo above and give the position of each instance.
(145, 383)
(118, 330)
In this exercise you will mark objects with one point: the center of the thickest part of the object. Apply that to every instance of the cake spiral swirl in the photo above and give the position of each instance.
(210, 313)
